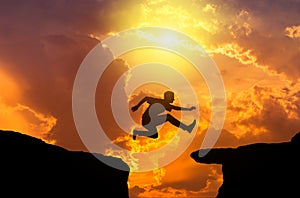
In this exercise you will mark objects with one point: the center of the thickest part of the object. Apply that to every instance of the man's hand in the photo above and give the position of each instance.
(192, 108)
(134, 108)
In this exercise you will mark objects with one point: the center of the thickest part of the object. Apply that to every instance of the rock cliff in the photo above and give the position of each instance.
(257, 170)
(30, 167)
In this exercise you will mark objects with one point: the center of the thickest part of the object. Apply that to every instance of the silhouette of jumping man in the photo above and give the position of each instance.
(155, 115)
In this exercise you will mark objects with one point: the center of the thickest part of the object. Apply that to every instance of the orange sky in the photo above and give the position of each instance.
(255, 45)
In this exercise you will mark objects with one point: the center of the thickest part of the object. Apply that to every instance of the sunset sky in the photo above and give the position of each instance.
(255, 44)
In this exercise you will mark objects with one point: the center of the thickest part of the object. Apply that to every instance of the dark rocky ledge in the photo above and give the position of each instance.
(30, 167)
(257, 170)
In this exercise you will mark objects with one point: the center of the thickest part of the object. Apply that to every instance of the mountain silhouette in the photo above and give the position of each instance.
(30, 167)
(257, 170)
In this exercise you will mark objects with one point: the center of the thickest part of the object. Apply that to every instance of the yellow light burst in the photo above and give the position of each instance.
(193, 21)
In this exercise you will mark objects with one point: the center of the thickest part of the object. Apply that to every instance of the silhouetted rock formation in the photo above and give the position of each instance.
(258, 170)
(30, 167)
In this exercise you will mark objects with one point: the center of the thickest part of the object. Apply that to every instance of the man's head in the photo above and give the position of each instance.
(169, 96)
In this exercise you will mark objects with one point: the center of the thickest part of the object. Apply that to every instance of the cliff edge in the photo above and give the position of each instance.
(257, 170)
(31, 167)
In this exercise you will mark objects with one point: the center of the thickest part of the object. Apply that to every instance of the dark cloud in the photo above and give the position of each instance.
(104, 97)
(135, 191)
(261, 29)
(42, 46)
(272, 47)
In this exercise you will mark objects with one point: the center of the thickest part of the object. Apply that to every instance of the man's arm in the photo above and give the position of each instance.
(183, 108)
(134, 108)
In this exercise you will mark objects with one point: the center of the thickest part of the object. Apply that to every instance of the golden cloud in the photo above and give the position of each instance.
(293, 31)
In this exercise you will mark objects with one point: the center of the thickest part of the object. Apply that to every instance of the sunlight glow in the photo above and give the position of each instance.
(168, 40)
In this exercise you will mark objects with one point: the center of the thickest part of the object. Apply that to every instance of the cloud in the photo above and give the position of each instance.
(253, 27)
(16, 116)
(255, 44)
(42, 47)
(191, 180)
(233, 50)
(241, 27)
(271, 15)
(265, 113)
(293, 31)
(210, 8)
(201, 185)
(26, 120)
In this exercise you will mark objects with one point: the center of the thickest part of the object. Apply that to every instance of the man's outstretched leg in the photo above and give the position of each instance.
(179, 124)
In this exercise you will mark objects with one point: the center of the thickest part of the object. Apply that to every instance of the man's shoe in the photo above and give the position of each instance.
(191, 126)
(134, 135)
(154, 136)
